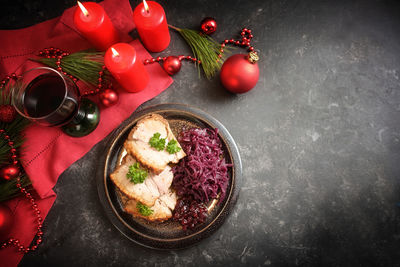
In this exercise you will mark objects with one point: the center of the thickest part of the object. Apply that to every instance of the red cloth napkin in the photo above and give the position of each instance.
(47, 151)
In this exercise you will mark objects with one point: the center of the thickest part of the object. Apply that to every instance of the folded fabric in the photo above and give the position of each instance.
(45, 148)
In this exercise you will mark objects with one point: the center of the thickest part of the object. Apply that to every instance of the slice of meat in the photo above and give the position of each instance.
(162, 208)
(138, 145)
(164, 180)
(146, 192)
(169, 199)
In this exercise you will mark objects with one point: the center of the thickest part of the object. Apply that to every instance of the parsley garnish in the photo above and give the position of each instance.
(173, 147)
(143, 209)
(157, 142)
(136, 174)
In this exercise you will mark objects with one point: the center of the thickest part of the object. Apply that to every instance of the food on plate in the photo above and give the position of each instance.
(199, 177)
(146, 192)
(189, 212)
(203, 173)
(160, 211)
(162, 177)
(144, 176)
(143, 209)
(146, 142)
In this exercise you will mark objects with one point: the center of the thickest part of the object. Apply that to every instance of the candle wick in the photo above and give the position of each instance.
(146, 7)
(83, 9)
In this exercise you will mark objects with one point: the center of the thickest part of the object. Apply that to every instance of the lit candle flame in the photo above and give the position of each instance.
(115, 53)
(84, 10)
(146, 6)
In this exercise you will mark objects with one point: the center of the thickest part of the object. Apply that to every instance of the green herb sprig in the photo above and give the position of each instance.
(173, 147)
(143, 209)
(157, 142)
(136, 174)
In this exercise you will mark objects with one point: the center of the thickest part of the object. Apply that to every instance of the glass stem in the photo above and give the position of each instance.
(80, 115)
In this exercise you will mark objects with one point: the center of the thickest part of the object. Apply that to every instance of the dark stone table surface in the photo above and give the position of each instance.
(319, 138)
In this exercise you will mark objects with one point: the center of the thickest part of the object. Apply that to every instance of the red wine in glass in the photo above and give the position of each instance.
(50, 98)
(45, 98)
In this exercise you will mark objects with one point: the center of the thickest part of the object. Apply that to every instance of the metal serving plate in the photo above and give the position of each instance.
(168, 234)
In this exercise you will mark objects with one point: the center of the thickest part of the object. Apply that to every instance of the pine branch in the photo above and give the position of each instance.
(204, 48)
(13, 129)
(8, 189)
(84, 65)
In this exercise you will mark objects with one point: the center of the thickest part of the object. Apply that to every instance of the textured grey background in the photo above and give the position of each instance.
(319, 138)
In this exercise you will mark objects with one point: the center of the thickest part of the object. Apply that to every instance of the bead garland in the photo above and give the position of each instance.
(161, 59)
(5, 81)
(99, 85)
(244, 42)
(13, 241)
(57, 53)
(172, 64)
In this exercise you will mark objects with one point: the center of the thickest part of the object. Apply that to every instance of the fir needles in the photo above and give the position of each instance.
(8, 189)
(204, 48)
(84, 65)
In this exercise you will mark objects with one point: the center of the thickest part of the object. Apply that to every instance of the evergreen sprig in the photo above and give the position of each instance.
(84, 65)
(204, 48)
(8, 189)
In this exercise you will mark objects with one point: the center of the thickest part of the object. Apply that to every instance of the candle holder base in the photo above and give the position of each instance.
(86, 120)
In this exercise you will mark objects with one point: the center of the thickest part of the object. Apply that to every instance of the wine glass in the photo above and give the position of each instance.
(50, 98)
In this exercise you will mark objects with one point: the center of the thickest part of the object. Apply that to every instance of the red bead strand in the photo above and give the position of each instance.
(39, 234)
(57, 53)
(244, 41)
(6, 79)
(100, 84)
(161, 59)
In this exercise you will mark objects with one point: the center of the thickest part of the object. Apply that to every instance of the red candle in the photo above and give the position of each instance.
(92, 21)
(124, 65)
(152, 26)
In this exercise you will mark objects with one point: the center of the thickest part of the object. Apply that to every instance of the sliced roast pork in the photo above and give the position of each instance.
(147, 192)
(138, 145)
(161, 210)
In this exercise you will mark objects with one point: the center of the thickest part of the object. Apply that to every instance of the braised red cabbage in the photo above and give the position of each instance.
(203, 173)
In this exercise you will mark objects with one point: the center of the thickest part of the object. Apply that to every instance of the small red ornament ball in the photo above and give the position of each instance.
(6, 221)
(238, 75)
(172, 65)
(7, 113)
(108, 97)
(208, 26)
(9, 172)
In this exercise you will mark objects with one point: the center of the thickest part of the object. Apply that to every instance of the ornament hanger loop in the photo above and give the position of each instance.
(253, 57)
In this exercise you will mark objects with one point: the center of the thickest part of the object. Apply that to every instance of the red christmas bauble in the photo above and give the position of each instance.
(238, 74)
(172, 65)
(7, 113)
(9, 172)
(208, 25)
(6, 221)
(108, 97)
